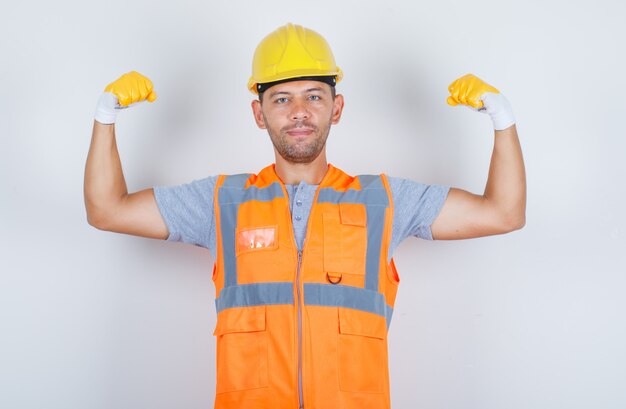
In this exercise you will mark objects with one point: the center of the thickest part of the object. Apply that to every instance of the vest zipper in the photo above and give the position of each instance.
(299, 330)
(298, 279)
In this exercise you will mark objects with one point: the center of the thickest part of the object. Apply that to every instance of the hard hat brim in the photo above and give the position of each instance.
(292, 75)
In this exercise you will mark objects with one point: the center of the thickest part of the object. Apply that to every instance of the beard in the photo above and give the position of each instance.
(296, 149)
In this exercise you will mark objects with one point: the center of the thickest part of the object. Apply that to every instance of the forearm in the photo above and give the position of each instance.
(506, 185)
(104, 186)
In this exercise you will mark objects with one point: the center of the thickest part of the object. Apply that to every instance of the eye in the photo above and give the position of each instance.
(281, 100)
(314, 97)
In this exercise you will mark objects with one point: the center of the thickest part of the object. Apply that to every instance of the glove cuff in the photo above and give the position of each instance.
(499, 109)
(105, 109)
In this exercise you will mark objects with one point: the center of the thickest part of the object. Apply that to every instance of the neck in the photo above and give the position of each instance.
(293, 173)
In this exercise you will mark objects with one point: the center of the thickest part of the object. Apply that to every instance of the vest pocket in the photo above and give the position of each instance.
(256, 238)
(361, 351)
(345, 239)
(242, 350)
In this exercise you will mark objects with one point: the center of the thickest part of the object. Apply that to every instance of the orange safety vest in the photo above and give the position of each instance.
(303, 329)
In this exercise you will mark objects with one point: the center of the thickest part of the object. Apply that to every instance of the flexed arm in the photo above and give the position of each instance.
(107, 202)
(502, 206)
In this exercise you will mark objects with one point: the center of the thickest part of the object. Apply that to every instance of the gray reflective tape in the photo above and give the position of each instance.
(228, 221)
(372, 193)
(228, 224)
(265, 194)
(250, 295)
(326, 295)
(375, 227)
(368, 197)
(331, 295)
(370, 181)
(236, 181)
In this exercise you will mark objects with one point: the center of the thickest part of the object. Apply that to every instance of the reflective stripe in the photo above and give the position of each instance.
(375, 225)
(327, 295)
(330, 295)
(370, 181)
(236, 181)
(368, 197)
(228, 221)
(241, 195)
(249, 295)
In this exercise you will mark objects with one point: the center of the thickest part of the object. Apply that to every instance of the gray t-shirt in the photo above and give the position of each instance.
(188, 210)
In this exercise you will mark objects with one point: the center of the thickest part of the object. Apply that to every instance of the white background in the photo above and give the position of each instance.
(533, 319)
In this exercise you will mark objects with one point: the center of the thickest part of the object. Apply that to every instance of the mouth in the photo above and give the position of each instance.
(300, 132)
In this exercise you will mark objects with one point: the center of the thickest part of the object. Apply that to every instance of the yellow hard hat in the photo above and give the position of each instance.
(292, 51)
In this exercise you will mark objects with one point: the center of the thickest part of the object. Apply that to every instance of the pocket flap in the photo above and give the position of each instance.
(353, 214)
(367, 324)
(240, 319)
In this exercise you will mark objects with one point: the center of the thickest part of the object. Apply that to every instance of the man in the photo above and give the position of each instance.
(304, 275)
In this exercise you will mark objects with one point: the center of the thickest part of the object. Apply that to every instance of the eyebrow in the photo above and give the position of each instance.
(273, 94)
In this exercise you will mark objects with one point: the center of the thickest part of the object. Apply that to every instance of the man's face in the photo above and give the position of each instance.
(298, 116)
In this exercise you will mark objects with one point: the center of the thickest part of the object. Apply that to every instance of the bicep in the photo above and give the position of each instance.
(138, 215)
(465, 215)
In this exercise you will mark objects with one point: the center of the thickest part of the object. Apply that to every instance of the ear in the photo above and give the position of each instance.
(258, 114)
(337, 109)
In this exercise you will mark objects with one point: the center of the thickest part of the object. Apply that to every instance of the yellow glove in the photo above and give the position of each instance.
(467, 90)
(132, 87)
(473, 92)
(127, 90)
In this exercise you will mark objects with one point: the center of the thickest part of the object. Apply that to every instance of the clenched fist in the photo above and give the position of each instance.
(129, 89)
(473, 92)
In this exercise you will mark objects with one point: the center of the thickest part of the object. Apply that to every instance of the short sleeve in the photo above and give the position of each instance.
(416, 206)
(188, 212)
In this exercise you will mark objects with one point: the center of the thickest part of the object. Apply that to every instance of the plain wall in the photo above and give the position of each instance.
(533, 319)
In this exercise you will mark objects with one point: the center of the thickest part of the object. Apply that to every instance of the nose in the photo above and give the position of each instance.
(299, 110)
